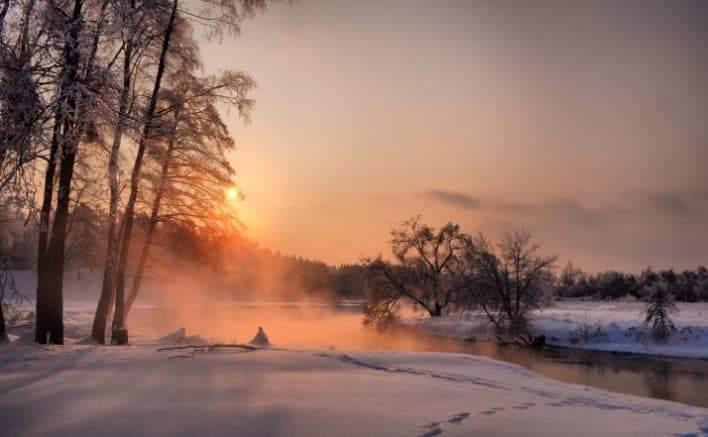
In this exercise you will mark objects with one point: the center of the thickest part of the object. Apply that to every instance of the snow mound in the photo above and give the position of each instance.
(261, 339)
(180, 336)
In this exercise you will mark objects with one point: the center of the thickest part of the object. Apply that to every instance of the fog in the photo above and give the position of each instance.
(299, 325)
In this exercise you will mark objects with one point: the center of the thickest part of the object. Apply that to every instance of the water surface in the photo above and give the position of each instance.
(340, 327)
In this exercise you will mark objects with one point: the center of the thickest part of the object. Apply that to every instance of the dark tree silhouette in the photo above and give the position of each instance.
(424, 273)
(508, 279)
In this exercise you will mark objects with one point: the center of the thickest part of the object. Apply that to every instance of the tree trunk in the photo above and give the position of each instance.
(105, 302)
(3, 329)
(164, 172)
(50, 262)
(436, 311)
(41, 308)
(118, 331)
(57, 241)
(137, 279)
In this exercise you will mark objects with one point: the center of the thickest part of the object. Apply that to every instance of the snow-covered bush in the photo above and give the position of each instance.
(587, 331)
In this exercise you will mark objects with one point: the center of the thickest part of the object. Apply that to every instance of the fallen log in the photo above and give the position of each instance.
(210, 347)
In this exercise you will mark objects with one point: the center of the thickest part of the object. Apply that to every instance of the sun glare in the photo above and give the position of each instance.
(232, 194)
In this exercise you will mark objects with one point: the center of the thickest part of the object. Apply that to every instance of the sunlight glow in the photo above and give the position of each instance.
(232, 194)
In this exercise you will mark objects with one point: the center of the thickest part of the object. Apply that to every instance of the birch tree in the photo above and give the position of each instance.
(194, 173)
(139, 26)
(215, 15)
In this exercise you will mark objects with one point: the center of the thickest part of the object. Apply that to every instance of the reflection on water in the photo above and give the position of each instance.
(340, 327)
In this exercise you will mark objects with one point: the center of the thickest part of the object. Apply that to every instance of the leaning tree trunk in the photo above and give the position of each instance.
(118, 332)
(162, 184)
(50, 325)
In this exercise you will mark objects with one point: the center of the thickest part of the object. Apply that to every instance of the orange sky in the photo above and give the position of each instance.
(585, 123)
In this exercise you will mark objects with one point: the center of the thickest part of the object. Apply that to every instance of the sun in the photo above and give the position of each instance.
(232, 194)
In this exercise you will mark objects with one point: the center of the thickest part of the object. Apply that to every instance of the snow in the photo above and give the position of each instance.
(621, 328)
(139, 390)
(620, 325)
(180, 336)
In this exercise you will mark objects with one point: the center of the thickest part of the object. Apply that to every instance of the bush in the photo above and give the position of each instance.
(587, 331)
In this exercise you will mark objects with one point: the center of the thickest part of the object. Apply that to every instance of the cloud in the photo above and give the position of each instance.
(630, 231)
(669, 203)
(642, 206)
(453, 198)
(568, 210)
(689, 205)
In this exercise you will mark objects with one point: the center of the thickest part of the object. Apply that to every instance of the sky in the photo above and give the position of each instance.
(583, 122)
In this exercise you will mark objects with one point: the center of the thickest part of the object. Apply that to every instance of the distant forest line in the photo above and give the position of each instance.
(250, 271)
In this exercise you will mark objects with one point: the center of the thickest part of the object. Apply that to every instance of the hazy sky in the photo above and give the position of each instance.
(585, 122)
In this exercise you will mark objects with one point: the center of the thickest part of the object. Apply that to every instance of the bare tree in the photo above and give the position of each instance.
(508, 279)
(228, 14)
(118, 332)
(50, 326)
(21, 104)
(139, 28)
(424, 274)
(193, 171)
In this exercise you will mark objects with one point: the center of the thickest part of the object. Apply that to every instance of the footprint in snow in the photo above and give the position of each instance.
(433, 429)
(459, 418)
(488, 412)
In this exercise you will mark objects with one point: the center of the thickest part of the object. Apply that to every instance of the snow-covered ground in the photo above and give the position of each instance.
(596, 325)
(140, 390)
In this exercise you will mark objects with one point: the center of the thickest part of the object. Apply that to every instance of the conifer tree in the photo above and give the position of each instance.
(661, 305)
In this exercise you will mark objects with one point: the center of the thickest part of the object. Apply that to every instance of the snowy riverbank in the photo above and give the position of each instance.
(138, 390)
(594, 325)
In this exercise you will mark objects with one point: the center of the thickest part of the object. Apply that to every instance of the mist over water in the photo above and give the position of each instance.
(299, 325)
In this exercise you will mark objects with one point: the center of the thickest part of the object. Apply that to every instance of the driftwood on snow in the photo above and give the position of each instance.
(210, 347)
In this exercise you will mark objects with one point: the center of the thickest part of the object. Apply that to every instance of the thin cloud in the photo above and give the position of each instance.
(567, 210)
(670, 203)
(453, 198)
